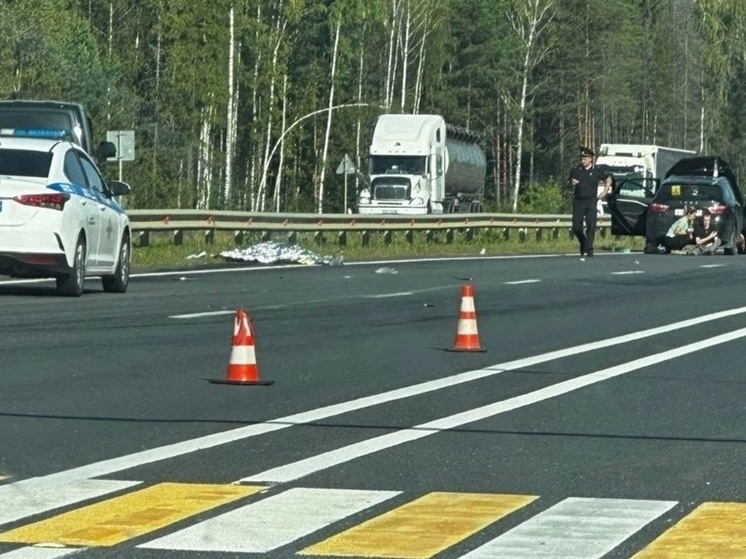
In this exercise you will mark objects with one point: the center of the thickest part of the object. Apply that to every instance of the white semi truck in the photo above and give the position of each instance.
(635, 168)
(421, 165)
(636, 164)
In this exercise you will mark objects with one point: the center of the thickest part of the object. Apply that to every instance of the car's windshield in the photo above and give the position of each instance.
(689, 192)
(24, 163)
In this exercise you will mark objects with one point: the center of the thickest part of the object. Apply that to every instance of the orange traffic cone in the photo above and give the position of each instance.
(467, 336)
(242, 368)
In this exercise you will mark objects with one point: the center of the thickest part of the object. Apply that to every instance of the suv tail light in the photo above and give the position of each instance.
(55, 201)
(657, 207)
(718, 209)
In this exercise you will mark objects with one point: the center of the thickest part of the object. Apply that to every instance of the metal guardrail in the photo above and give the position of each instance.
(176, 222)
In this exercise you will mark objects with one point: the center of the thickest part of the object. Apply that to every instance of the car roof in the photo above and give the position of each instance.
(30, 144)
(40, 104)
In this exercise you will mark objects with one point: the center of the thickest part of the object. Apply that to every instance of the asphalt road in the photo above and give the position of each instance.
(604, 419)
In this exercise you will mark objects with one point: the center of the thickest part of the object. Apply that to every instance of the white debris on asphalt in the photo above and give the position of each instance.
(387, 271)
(272, 252)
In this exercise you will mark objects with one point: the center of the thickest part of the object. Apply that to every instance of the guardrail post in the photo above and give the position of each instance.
(522, 235)
(555, 233)
(409, 236)
(178, 237)
(429, 235)
(342, 238)
(238, 238)
(144, 239)
(388, 237)
(265, 236)
(538, 234)
(570, 234)
(449, 236)
(210, 236)
(365, 239)
(469, 234)
(319, 237)
(603, 232)
(292, 238)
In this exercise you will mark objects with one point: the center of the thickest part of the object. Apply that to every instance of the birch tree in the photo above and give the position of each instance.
(530, 19)
(324, 153)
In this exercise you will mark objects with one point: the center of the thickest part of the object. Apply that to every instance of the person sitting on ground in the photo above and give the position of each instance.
(705, 235)
(681, 233)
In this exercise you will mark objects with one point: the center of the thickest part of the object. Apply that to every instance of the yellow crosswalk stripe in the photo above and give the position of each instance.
(423, 527)
(712, 530)
(121, 518)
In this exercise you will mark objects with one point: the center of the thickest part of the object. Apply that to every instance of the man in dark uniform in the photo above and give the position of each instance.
(584, 180)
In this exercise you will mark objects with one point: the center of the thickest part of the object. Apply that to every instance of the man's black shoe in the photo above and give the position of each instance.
(589, 254)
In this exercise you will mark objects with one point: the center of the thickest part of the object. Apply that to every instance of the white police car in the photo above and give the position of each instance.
(58, 217)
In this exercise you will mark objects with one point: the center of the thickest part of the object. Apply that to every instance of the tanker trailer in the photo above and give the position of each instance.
(421, 165)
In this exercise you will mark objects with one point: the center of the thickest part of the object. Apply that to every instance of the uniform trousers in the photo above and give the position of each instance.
(584, 222)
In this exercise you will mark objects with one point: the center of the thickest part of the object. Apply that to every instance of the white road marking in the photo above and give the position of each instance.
(315, 301)
(576, 527)
(318, 462)
(38, 553)
(521, 282)
(109, 466)
(712, 266)
(203, 314)
(35, 496)
(628, 272)
(276, 521)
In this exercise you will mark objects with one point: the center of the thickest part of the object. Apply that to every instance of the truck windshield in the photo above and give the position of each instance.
(24, 163)
(398, 164)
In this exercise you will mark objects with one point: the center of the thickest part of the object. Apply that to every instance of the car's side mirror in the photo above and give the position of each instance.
(107, 150)
(118, 188)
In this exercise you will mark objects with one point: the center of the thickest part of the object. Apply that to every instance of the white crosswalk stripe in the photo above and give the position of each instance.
(273, 522)
(38, 553)
(29, 497)
(574, 529)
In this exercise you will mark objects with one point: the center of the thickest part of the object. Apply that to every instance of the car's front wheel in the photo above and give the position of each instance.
(118, 282)
(71, 285)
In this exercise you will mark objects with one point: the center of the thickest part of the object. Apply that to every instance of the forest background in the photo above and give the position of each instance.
(252, 104)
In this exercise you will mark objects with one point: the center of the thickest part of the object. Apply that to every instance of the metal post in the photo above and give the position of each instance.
(345, 206)
(119, 153)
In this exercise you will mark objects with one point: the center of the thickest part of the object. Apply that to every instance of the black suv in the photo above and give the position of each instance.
(59, 115)
(703, 182)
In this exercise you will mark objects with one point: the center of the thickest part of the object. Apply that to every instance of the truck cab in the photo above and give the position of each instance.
(421, 165)
(57, 115)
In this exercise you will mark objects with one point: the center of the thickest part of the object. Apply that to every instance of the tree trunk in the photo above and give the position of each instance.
(322, 171)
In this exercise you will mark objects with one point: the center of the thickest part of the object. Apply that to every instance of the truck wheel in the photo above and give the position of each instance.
(71, 285)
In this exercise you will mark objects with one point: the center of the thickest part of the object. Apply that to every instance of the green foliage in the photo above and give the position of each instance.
(547, 198)
(669, 72)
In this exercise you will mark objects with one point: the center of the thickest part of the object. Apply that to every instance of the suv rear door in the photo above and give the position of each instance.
(628, 205)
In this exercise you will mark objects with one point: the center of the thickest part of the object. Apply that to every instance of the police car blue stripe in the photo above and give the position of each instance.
(90, 193)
